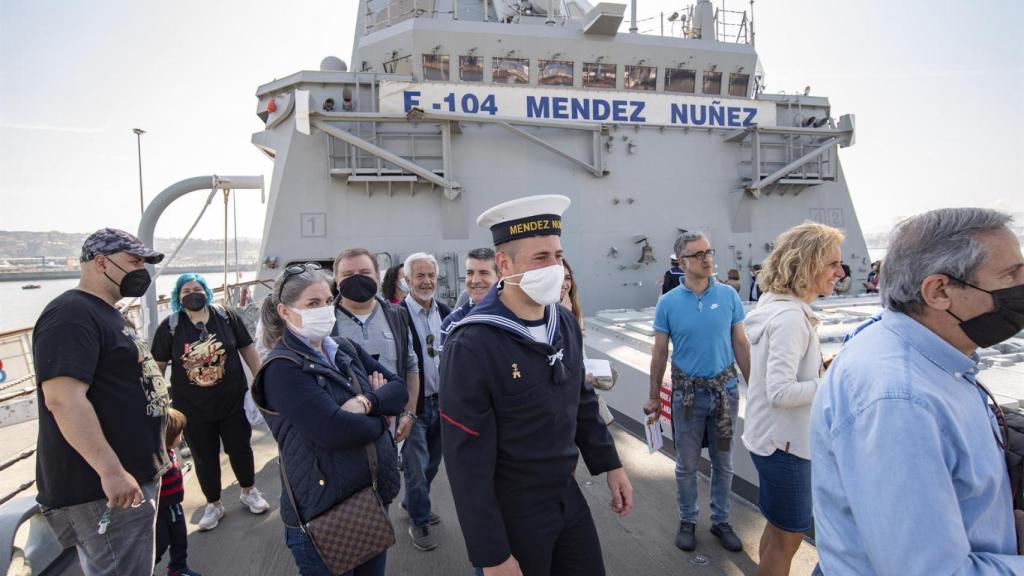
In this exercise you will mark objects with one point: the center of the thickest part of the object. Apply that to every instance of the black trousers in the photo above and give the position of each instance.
(557, 539)
(171, 531)
(204, 438)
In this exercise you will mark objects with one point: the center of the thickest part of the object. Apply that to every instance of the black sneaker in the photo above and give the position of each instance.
(686, 539)
(422, 539)
(726, 537)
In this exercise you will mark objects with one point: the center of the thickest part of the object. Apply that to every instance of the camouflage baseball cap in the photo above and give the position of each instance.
(111, 240)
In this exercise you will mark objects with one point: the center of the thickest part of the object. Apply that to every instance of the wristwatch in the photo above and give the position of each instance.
(409, 414)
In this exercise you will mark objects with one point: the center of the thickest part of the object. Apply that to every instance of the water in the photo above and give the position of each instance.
(20, 308)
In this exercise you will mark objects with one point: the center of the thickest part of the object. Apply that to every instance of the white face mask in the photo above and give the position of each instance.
(317, 323)
(543, 285)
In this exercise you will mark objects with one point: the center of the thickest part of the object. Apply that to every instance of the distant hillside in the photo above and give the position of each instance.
(21, 244)
(879, 237)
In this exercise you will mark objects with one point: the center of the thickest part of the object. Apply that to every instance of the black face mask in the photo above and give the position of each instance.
(358, 288)
(1004, 322)
(194, 301)
(134, 283)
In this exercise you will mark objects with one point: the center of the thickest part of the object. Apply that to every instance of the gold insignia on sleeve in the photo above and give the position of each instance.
(515, 371)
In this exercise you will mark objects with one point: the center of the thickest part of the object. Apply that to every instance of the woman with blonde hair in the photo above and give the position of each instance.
(785, 369)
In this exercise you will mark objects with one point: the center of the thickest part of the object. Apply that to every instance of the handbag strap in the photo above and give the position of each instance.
(371, 458)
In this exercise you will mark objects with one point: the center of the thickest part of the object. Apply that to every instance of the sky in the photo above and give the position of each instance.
(935, 85)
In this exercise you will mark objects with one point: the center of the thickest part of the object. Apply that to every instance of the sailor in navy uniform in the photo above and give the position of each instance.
(515, 408)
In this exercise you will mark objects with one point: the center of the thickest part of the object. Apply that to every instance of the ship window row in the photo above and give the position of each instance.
(561, 73)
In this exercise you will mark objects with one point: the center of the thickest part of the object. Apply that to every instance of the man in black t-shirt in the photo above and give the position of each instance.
(102, 408)
(208, 385)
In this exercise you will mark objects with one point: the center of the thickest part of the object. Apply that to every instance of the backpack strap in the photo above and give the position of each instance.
(172, 322)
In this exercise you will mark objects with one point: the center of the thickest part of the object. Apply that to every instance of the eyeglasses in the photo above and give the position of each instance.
(431, 351)
(701, 255)
(295, 270)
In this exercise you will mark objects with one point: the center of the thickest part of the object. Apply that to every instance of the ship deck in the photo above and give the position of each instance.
(641, 543)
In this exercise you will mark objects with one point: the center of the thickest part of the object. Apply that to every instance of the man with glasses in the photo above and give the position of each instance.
(421, 455)
(704, 320)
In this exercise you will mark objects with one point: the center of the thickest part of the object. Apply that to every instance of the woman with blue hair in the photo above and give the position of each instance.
(205, 345)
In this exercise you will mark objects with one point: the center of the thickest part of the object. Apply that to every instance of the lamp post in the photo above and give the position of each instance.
(138, 140)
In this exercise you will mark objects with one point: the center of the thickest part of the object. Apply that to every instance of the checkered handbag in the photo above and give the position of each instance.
(357, 529)
(354, 530)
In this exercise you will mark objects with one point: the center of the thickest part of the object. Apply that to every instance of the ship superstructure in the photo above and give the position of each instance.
(452, 106)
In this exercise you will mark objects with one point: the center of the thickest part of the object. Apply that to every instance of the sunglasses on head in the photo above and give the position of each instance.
(296, 269)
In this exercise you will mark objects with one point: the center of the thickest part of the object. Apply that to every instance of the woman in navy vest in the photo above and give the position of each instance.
(324, 402)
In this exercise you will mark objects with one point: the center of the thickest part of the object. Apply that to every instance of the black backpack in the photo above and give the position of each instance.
(1015, 454)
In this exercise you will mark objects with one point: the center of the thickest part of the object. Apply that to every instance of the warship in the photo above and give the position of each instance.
(448, 107)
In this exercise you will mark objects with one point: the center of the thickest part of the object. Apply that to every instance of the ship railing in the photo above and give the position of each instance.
(396, 11)
(16, 345)
(732, 26)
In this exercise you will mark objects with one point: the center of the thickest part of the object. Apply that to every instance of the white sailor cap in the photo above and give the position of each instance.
(539, 215)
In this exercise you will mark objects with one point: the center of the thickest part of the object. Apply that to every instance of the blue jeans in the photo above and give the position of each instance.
(421, 457)
(310, 564)
(127, 547)
(689, 434)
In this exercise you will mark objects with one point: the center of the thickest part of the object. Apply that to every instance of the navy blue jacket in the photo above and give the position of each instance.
(515, 423)
(322, 446)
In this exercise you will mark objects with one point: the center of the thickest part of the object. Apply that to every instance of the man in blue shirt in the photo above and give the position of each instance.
(704, 320)
(908, 470)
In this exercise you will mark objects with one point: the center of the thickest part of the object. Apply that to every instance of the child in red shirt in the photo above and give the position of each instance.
(170, 519)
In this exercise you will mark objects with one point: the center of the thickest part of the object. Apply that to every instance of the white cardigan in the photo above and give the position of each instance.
(785, 369)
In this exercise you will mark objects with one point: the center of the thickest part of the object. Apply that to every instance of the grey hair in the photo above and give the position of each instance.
(943, 241)
(416, 258)
(685, 239)
(287, 290)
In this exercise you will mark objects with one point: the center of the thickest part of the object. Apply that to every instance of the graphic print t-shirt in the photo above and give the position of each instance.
(80, 336)
(207, 380)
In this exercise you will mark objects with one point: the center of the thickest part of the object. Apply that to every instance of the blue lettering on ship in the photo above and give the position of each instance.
(714, 115)
(599, 109)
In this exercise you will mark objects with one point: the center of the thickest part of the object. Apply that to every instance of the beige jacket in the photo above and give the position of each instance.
(785, 370)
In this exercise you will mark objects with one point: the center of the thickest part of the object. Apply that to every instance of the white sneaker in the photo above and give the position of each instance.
(211, 516)
(254, 500)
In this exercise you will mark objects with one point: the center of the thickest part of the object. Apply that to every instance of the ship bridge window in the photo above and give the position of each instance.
(471, 68)
(435, 67)
(555, 73)
(401, 65)
(738, 84)
(597, 75)
(712, 82)
(511, 71)
(641, 77)
(680, 80)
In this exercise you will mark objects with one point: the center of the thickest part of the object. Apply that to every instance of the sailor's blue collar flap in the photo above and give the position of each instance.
(492, 311)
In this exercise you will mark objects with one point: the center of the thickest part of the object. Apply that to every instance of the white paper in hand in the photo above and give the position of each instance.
(598, 367)
(652, 428)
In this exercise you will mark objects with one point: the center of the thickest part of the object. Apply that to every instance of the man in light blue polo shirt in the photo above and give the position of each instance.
(704, 320)
(908, 472)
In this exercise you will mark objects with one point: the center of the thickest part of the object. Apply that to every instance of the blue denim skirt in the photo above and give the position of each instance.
(785, 490)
